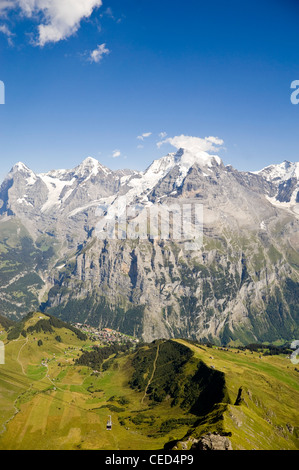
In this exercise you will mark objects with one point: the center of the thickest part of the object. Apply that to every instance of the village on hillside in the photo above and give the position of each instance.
(105, 335)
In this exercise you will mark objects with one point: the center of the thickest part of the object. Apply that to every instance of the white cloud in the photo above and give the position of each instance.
(59, 18)
(109, 12)
(6, 5)
(162, 135)
(97, 55)
(6, 31)
(198, 147)
(192, 143)
(116, 154)
(144, 136)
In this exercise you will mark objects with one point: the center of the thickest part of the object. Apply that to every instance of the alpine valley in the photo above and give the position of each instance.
(241, 286)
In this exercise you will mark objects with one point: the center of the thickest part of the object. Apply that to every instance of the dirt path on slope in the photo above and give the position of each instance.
(153, 373)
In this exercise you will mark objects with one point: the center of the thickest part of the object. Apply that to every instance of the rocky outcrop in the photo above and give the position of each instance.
(212, 442)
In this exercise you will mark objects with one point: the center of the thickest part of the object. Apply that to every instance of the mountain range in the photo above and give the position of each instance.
(240, 286)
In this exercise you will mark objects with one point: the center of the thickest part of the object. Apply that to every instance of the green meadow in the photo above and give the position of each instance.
(49, 401)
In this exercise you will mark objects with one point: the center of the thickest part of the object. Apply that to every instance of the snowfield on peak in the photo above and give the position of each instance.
(55, 188)
(285, 176)
(71, 192)
(282, 171)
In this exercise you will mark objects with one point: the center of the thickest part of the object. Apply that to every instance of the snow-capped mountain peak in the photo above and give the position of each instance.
(280, 172)
(183, 159)
(70, 192)
(90, 167)
(285, 178)
(21, 168)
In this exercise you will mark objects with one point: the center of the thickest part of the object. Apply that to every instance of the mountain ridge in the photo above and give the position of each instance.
(276, 174)
(235, 287)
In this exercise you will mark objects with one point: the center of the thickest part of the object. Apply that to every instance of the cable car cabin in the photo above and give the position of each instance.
(109, 424)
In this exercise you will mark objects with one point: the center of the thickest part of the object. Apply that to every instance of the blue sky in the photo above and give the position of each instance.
(89, 79)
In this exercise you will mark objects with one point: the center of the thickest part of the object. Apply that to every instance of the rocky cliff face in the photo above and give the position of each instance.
(207, 442)
(241, 283)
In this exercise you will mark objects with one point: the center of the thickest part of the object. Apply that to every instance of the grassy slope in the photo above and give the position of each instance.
(65, 406)
(270, 399)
